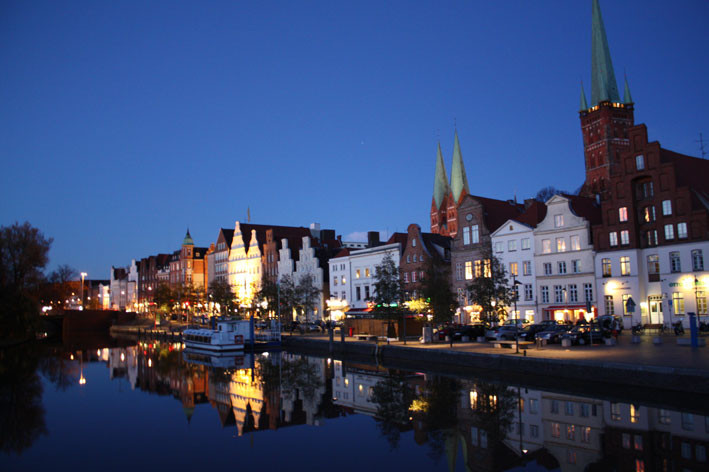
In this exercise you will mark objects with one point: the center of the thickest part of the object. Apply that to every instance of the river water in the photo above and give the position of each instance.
(153, 406)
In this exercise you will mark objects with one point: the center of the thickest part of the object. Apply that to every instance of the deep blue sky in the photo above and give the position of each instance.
(122, 123)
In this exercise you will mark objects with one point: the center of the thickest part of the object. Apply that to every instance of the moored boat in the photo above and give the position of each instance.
(229, 335)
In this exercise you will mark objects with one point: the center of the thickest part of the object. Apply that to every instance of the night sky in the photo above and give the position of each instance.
(124, 123)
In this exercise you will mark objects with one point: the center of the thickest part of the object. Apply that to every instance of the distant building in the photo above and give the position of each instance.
(421, 251)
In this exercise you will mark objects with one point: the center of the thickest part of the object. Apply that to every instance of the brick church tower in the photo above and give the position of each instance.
(605, 123)
(446, 198)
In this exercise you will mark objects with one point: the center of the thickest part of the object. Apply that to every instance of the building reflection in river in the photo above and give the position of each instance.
(487, 426)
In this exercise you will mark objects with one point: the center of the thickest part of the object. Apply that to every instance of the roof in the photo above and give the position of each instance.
(603, 84)
(188, 239)
(585, 207)
(440, 180)
(343, 253)
(459, 181)
(690, 172)
(294, 235)
(400, 238)
(496, 212)
(228, 235)
(534, 214)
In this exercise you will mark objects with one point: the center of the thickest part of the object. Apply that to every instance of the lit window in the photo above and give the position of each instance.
(606, 267)
(513, 269)
(669, 232)
(610, 306)
(667, 207)
(624, 237)
(678, 303)
(527, 267)
(634, 415)
(586, 434)
(681, 230)
(640, 162)
(468, 270)
(649, 214)
(487, 269)
(558, 221)
(623, 214)
(652, 237)
(613, 238)
(546, 246)
(555, 430)
(357, 272)
(366, 272)
(478, 268)
(625, 265)
(575, 243)
(626, 298)
(560, 245)
(344, 280)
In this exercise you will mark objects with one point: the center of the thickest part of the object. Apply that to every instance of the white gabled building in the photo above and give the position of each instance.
(564, 259)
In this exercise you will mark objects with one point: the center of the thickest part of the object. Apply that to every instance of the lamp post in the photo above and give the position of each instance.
(515, 283)
(83, 274)
(696, 299)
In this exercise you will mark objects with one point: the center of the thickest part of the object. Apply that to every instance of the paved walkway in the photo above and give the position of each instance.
(667, 354)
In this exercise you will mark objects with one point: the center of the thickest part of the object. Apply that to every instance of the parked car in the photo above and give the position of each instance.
(552, 333)
(610, 323)
(528, 332)
(503, 333)
(521, 322)
(471, 331)
(441, 332)
(584, 334)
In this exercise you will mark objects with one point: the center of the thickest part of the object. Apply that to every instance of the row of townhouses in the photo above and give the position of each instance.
(631, 243)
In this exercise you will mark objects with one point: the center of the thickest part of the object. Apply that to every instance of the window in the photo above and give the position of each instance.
(527, 267)
(528, 293)
(686, 450)
(358, 295)
(344, 280)
(466, 235)
(366, 292)
(570, 432)
(666, 207)
(366, 272)
(626, 440)
(624, 237)
(513, 269)
(458, 271)
(413, 277)
(525, 243)
(545, 294)
(534, 430)
(560, 245)
(606, 267)
(701, 453)
(406, 277)
(487, 268)
(588, 292)
(562, 267)
(615, 411)
(558, 221)
(555, 406)
(576, 266)
(533, 406)
(475, 234)
(555, 430)
(585, 434)
(511, 245)
(626, 297)
(697, 260)
(569, 408)
(653, 267)
(585, 410)
(357, 271)
(681, 230)
(610, 306)
(613, 238)
(623, 214)
(625, 265)
(640, 162)
(469, 270)
(669, 232)
(575, 243)
(483, 439)
(499, 247)
(664, 416)
(335, 280)
(649, 214)
(638, 442)
(558, 294)
(644, 190)
(414, 257)
(571, 456)
(687, 421)
(675, 265)
(547, 268)
(413, 242)
(678, 303)
(478, 268)
(701, 302)
(573, 293)
(343, 296)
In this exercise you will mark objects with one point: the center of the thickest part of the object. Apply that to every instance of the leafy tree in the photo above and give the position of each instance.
(220, 292)
(164, 298)
(387, 291)
(436, 290)
(491, 291)
(268, 293)
(24, 253)
(308, 294)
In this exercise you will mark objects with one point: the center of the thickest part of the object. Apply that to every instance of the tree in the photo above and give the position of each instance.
(436, 290)
(220, 292)
(288, 297)
(164, 298)
(308, 294)
(546, 193)
(61, 279)
(490, 291)
(24, 252)
(268, 293)
(387, 291)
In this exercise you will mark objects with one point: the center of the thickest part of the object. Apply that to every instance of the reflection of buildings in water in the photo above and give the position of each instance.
(525, 436)
(122, 363)
(647, 438)
(353, 387)
(247, 401)
(311, 402)
(572, 429)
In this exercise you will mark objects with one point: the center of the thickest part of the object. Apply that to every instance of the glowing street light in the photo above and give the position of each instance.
(83, 275)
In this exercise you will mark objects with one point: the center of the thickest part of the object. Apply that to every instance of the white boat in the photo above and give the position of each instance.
(230, 335)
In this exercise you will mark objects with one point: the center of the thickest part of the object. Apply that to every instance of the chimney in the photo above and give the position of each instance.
(373, 239)
(315, 230)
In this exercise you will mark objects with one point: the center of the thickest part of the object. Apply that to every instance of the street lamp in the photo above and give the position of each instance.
(515, 283)
(83, 274)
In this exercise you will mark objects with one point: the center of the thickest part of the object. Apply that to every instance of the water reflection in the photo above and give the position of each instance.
(461, 423)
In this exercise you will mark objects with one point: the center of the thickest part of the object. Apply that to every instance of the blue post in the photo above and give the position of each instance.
(251, 331)
(693, 331)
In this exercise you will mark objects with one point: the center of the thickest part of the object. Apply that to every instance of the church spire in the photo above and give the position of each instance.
(459, 181)
(627, 98)
(603, 84)
(584, 103)
(440, 181)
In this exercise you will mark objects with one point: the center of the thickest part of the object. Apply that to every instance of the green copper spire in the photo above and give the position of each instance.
(459, 181)
(440, 181)
(627, 98)
(584, 104)
(188, 239)
(603, 84)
